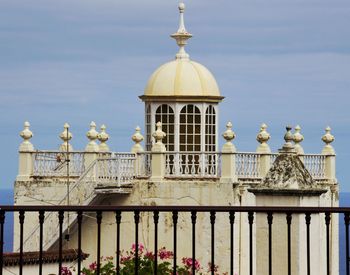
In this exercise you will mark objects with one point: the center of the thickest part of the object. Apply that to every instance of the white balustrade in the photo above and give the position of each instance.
(192, 164)
(316, 165)
(118, 169)
(247, 165)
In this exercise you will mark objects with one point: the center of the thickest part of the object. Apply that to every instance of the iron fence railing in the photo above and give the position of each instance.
(252, 214)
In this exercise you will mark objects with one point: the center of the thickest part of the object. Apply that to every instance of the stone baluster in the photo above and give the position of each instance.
(228, 158)
(298, 138)
(158, 154)
(329, 153)
(26, 149)
(91, 149)
(137, 148)
(66, 136)
(103, 138)
(263, 150)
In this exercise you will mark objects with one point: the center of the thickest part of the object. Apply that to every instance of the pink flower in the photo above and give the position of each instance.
(65, 271)
(149, 255)
(165, 254)
(93, 266)
(125, 259)
(140, 249)
(188, 263)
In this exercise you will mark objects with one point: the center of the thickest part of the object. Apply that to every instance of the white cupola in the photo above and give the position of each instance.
(183, 95)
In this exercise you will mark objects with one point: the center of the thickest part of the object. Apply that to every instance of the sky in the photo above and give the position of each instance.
(281, 62)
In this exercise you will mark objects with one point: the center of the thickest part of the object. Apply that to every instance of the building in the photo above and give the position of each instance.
(181, 164)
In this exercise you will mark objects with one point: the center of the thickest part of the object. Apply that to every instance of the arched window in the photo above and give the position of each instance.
(210, 129)
(165, 115)
(190, 129)
(148, 128)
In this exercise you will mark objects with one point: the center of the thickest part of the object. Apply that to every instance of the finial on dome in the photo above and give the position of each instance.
(181, 36)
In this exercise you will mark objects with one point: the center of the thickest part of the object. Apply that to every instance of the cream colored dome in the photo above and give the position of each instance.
(182, 77)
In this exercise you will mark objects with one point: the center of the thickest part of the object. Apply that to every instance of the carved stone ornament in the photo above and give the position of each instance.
(92, 133)
(263, 135)
(328, 138)
(298, 137)
(159, 134)
(288, 172)
(103, 138)
(66, 135)
(229, 135)
(137, 137)
(26, 134)
(288, 137)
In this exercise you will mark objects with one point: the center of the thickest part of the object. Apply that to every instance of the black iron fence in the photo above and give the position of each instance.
(231, 211)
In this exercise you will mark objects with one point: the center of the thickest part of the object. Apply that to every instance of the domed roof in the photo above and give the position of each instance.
(182, 77)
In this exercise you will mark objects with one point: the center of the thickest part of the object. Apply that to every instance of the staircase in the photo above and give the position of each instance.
(114, 174)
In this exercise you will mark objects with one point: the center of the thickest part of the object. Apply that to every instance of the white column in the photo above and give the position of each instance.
(158, 155)
(329, 152)
(26, 149)
(137, 149)
(264, 150)
(91, 149)
(228, 159)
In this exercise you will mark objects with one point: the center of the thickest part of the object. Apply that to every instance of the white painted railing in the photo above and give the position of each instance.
(143, 164)
(315, 164)
(122, 168)
(192, 164)
(119, 169)
(54, 163)
(247, 165)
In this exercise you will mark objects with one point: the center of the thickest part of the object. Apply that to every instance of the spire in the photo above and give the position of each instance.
(181, 36)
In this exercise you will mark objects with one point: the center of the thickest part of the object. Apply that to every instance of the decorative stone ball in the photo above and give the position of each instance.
(263, 135)
(137, 137)
(328, 138)
(229, 135)
(26, 134)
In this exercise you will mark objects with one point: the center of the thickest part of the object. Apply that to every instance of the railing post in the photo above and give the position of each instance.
(228, 158)
(137, 148)
(158, 155)
(329, 153)
(91, 149)
(26, 149)
(264, 151)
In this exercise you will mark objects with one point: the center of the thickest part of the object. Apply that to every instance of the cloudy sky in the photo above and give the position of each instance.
(276, 61)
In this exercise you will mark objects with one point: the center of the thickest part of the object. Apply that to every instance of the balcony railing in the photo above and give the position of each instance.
(122, 168)
(54, 163)
(192, 164)
(227, 222)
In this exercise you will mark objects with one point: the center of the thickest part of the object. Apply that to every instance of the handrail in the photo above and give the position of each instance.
(167, 208)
